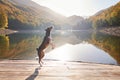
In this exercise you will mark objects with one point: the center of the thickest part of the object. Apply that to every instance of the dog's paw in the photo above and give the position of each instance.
(40, 65)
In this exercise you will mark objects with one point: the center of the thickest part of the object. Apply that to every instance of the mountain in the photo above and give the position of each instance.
(75, 19)
(99, 12)
(107, 17)
(78, 23)
(26, 14)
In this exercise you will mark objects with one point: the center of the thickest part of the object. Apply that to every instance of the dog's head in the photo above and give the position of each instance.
(49, 29)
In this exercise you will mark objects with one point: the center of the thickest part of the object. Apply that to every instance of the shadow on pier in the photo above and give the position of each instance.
(34, 75)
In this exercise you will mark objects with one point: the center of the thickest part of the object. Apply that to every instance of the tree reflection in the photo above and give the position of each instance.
(4, 46)
(110, 44)
(25, 48)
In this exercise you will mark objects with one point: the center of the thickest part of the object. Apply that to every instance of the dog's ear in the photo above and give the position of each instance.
(37, 49)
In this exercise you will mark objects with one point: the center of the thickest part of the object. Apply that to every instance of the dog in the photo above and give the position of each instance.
(45, 43)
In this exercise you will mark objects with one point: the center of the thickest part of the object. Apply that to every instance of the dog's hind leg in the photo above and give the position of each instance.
(40, 62)
(42, 55)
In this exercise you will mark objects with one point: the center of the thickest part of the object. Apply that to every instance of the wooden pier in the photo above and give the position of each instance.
(56, 70)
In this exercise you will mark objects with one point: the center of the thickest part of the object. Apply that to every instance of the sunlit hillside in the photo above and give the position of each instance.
(108, 17)
(26, 14)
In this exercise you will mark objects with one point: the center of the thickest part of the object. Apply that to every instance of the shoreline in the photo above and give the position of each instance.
(115, 31)
(7, 31)
(59, 61)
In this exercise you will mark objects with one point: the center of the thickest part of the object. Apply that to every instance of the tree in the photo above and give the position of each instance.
(3, 20)
(94, 25)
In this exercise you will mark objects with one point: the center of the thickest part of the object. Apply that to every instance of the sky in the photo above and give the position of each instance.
(77, 7)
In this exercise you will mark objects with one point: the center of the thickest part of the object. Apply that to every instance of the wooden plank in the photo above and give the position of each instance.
(56, 70)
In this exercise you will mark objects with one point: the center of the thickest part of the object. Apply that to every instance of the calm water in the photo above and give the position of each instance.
(69, 46)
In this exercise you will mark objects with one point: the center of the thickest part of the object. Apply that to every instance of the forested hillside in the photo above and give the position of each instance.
(107, 18)
(25, 14)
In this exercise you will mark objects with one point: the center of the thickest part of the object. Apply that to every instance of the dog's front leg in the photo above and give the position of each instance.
(53, 46)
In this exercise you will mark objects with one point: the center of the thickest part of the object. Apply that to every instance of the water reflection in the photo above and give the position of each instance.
(23, 45)
(80, 52)
(108, 43)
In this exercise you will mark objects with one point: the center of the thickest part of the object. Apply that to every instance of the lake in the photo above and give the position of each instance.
(85, 46)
